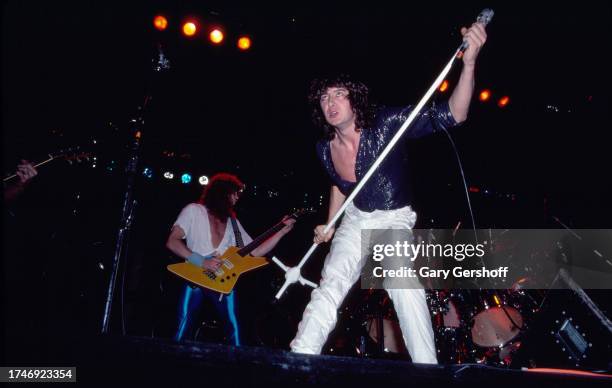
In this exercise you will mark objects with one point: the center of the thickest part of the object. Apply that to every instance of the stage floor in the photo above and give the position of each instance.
(144, 361)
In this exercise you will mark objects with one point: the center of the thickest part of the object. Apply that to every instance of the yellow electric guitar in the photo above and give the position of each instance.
(235, 262)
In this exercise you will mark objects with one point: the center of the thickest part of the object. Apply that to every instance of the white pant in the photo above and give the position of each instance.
(342, 269)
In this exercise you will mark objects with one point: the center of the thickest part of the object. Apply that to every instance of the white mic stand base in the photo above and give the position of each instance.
(292, 275)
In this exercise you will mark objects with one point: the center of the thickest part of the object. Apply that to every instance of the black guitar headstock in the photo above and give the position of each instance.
(72, 155)
(300, 212)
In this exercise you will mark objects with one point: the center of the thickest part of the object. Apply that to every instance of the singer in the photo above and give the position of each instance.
(354, 135)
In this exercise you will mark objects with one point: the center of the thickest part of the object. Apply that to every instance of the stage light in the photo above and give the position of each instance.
(160, 22)
(203, 180)
(186, 178)
(216, 36)
(444, 86)
(147, 172)
(484, 95)
(505, 100)
(168, 175)
(190, 28)
(244, 43)
(111, 165)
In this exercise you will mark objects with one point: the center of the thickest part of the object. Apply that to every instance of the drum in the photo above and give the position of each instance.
(495, 322)
(448, 309)
(451, 317)
(388, 332)
(381, 326)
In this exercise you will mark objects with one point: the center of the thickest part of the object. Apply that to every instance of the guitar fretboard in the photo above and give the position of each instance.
(260, 239)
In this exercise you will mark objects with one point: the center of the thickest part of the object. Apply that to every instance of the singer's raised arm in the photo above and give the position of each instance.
(459, 101)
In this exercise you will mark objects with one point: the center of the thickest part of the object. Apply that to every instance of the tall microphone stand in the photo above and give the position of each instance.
(160, 64)
(293, 274)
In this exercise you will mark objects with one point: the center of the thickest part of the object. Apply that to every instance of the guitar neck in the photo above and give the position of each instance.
(8, 178)
(260, 239)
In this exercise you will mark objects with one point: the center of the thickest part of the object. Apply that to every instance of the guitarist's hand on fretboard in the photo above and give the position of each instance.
(289, 222)
(25, 172)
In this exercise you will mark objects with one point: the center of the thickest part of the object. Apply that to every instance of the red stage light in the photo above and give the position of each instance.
(484, 95)
(190, 28)
(444, 86)
(244, 43)
(216, 36)
(160, 22)
(505, 100)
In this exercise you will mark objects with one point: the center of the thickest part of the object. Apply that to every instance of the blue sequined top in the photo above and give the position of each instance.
(389, 187)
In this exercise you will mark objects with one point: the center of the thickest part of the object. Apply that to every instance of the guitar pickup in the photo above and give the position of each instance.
(228, 264)
(219, 272)
(210, 274)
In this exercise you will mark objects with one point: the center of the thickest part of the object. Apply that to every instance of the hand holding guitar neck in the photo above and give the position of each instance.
(26, 171)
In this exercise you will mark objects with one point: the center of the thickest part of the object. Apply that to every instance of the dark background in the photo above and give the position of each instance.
(73, 72)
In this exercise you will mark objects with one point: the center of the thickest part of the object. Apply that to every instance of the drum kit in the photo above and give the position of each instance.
(483, 326)
(470, 326)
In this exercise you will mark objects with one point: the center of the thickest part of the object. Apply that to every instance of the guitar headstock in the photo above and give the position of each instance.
(72, 155)
(300, 212)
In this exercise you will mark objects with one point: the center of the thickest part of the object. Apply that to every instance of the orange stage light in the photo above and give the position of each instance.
(216, 36)
(484, 95)
(505, 100)
(244, 43)
(160, 22)
(444, 86)
(189, 29)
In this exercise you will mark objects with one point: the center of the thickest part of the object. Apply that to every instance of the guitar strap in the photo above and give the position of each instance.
(237, 234)
(239, 242)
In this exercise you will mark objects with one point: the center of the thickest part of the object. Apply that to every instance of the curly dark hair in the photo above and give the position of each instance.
(216, 195)
(358, 97)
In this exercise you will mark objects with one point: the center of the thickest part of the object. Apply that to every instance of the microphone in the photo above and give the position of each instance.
(484, 17)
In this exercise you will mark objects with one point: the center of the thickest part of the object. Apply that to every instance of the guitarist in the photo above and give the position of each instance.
(202, 232)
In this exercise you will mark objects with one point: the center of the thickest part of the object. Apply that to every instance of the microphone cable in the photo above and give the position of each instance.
(467, 194)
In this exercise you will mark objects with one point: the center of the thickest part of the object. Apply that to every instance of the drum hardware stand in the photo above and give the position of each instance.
(380, 332)
(160, 64)
(521, 328)
(595, 251)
